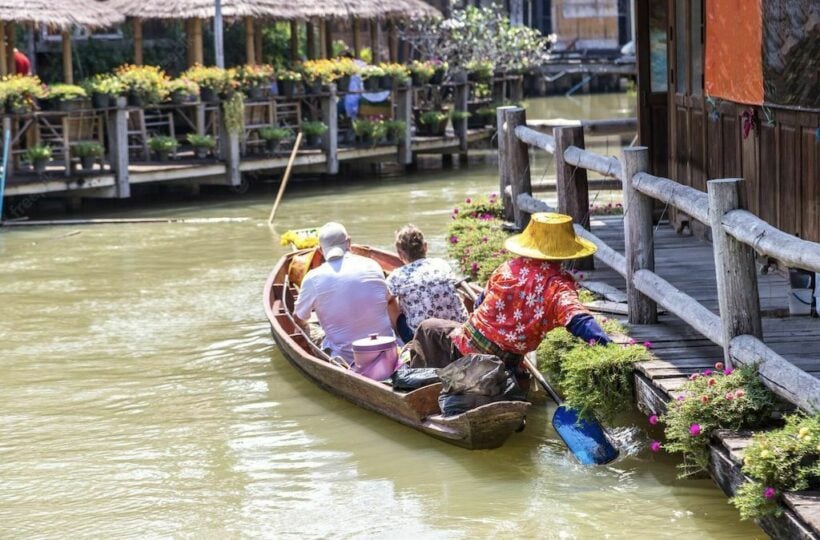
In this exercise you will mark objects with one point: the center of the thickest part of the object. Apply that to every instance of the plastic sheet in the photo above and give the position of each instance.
(734, 68)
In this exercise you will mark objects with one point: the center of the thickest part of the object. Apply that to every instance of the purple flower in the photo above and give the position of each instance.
(694, 430)
(680, 398)
(454, 239)
(593, 341)
(631, 341)
(653, 419)
(474, 268)
(647, 344)
(656, 446)
(484, 239)
(769, 492)
(468, 200)
(707, 372)
(728, 371)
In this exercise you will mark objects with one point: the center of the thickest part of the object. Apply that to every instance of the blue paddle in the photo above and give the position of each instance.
(586, 439)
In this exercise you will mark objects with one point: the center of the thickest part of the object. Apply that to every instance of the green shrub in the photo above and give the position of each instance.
(66, 92)
(275, 133)
(88, 149)
(423, 71)
(314, 129)
(475, 238)
(217, 79)
(395, 129)
(714, 400)
(372, 130)
(779, 460)
(162, 144)
(20, 91)
(148, 83)
(103, 84)
(201, 141)
(37, 152)
(432, 117)
(460, 115)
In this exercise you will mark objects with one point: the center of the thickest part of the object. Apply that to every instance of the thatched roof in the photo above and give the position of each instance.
(276, 9)
(61, 13)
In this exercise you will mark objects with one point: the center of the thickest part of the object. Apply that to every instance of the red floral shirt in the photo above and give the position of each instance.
(524, 299)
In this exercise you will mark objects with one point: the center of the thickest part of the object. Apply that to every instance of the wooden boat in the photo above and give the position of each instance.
(484, 427)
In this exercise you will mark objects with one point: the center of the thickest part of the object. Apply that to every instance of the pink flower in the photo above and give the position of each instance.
(593, 341)
(729, 396)
(740, 393)
(694, 376)
(484, 239)
(707, 372)
(454, 239)
(474, 267)
(631, 341)
(455, 210)
(493, 195)
(694, 430)
(604, 319)
(711, 382)
(653, 419)
(769, 492)
(656, 446)
(728, 371)
(580, 276)
(647, 344)
(719, 366)
(468, 200)
(704, 399)
(680, 398)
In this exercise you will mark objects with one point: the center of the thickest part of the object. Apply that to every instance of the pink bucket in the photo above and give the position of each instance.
(376, 357)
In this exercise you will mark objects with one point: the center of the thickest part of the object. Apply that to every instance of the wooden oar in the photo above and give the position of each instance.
(586, 439)
(286, 177)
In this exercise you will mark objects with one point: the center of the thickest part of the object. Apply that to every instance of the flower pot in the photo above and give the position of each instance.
(208, 95)
(87, 162)
(135, 100)
(68, 105)
(438, 77)
(17, 108)
(255, 93)
(385, 82)
(162, 155)
(314, 141)
(343, 83)
(371, 84)
(40, 165)
(314, 87)
(201, 152)
(288, 88)
(178, 98)
(272, 144)
(101, 101)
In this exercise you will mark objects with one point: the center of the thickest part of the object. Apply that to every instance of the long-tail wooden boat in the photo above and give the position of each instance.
(484, 427)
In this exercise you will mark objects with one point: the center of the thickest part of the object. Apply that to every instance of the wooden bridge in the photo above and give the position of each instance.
(697, 303)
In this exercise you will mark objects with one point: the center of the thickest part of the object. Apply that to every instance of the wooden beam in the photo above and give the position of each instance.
(250, 41)
(310, 28)
(540, 140)
(294, 41)
(117, 129)
(11, 37)
(136, 27)
(571, 184)
(198, 56)
(608, 166)
(392, 41)
(772, 242)
(330, 141)
(404, 112)
(257, 43)
(357, 38)
(461, 99)
(691, 201)
(4, 66)
(638, 235)
(68, 66)
(375, 39)
(328, 38)
(518, 160)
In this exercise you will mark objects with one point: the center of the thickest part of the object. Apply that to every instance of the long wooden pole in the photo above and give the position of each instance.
(286, 177)
(68, 67)
(250, 54)
(357, 37)
(198, 55)
(4, 66)
(136, 24)
(219, 43)
(329, 38)
(11, 37)
(294, 41)
(257, 42)
(311, 40)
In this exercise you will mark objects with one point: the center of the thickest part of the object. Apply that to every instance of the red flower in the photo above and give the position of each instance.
(712, 382)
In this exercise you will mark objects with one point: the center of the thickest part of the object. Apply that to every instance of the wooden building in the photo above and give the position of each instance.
(731, 88)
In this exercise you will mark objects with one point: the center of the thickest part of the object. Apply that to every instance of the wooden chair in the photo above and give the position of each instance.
(60, 132)
(146, 123)
(257, 116)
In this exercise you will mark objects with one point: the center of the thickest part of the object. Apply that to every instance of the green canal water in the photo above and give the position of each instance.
(142, 395)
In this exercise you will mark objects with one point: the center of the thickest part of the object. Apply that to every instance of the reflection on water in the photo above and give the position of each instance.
(142, 396)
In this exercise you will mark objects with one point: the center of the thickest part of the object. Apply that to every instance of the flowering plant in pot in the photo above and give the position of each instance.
(480, 70)
(459, 119)
(203, 144)
(162, 146)
(103, 89)
(313, 132)
(396, 130)
(213, 81)
(318, 73)
(433, 123)
(273, 136)
(182, 90)
(88, 152)
(255, 80)
(288, 80)
(65, 97)
(372, 77)
(38, 156)
(19, 93)
(422, 72)
(144, 85)
(370, 131)
(397, 75)
(344, 69)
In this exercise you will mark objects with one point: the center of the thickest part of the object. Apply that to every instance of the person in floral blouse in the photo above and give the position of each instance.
(524, 299)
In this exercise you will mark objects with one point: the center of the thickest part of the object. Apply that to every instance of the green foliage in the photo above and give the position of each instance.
(482, 69)
(233, 111)
(66, 92)
(37, 152)
(458, 116)
(103, 84)
(201, 141)
(88, 149)
(183, 87)
(288, 75)
(370, 129)
(20, 91)
(162, 144)
(782, 459)
(476, 239)
(217, 79)
(398, 72)
(149, 83)
(314, 129)
(372, 71)
(432, 117)
(275, 133)
(395, 129)
(423, 71)
(713, 401)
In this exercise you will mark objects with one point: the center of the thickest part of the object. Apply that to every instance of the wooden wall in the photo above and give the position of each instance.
(585, 20)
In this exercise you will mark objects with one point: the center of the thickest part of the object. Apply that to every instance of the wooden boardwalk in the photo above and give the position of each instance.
(679, 350)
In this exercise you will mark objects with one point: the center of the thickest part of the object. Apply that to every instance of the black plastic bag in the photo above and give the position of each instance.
(407, 378)
(476, 380)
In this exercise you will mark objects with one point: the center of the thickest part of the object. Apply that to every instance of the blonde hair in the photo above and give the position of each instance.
(410, 240)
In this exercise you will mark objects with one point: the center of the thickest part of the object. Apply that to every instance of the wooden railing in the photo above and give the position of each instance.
(736, 236)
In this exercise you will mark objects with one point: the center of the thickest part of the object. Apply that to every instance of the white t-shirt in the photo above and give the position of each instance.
(349, 295)
(426, 289)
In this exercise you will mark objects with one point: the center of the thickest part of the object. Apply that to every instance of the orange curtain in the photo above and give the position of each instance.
(734, 69)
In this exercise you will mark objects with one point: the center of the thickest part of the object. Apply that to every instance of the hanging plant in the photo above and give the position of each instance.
(233, 110)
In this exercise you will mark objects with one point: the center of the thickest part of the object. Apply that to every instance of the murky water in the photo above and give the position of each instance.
(142, 396)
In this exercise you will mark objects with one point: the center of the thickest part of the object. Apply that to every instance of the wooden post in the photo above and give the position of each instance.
(357, 38)
(258, 55)
(68, 66)
(31, 49)
(392, 41)
(294, 41)
(117, 131)
(328, 38)
(404, 112)
(638, 235)
(197, 55)
(11, 37)
(4, 66)
(189, 42)
(462, 93)
(503, 170)
(571, 183)
(330, 142)
(321, 42)
(136, 27)
(518, 161)
(250, 40)
(229, 143)
(200, 118)
(517, 89)
(734, 267)
(310, 30)
(375, 39)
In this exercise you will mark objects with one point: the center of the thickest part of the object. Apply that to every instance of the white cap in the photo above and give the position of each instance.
(333, 240)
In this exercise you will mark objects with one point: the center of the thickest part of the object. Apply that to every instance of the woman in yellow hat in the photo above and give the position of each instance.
(525, 298)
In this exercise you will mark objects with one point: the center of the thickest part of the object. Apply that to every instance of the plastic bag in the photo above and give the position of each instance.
(475, 380)
(407, 378)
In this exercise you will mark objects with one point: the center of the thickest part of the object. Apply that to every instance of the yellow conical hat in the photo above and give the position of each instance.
(550, 236)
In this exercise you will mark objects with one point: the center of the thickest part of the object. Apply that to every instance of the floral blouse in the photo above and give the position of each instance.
(524, 299)
(426, 289)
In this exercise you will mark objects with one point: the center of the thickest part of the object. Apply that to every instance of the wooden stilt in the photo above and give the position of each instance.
(257, 43)
(375, 39)
(328, 38)
(136, 26)
(393, 40)
(294, 41)
(196, 41)
(189, 42)
(250, 56)
(357, 37)
(4, 66)
(68, 66)
(11, 37)
(311, 40)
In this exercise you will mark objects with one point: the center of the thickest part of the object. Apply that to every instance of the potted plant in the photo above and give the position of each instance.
(213, 81)
(273, 136)
(162, 146)
(318, 73)
(88, 152)
(65, 97)
(396, 75)
(421, 72)
(313, 132)
(480, 70)
(433, 123)
(203, 144)
(182, 91)
(369, 131)
(344, 69)
(255, 80)
(485, 116)
(287, 82)
(372, 75)
(459, 119)
(19, 93)
(439, 70)
(38, 156)
(103, 89)
(396, 130)
(144, 85)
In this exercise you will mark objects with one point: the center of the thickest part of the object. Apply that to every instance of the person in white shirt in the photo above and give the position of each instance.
(425, 287)
(348, 293)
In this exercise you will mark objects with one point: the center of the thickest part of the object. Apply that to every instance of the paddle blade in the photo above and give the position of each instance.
(585, 439)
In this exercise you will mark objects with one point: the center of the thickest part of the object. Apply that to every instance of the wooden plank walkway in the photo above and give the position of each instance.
(679, 350)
